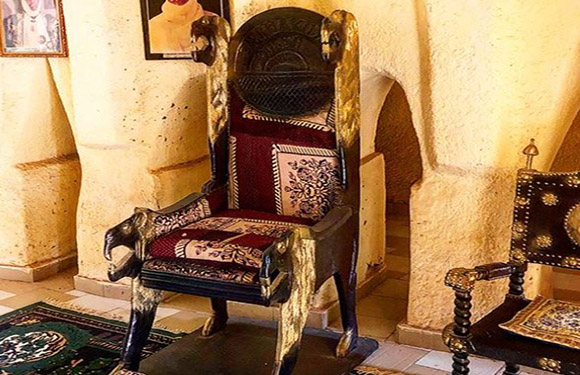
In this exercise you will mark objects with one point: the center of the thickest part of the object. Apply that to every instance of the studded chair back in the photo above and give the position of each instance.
(546, 227)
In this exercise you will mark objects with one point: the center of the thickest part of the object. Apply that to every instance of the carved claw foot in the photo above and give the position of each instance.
(346, 344)
(213, 325)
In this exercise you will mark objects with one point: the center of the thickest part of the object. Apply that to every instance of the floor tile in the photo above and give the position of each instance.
(76, 293)
(394, 274)
(36, 295)
(120, 313)
(5, 310)
(443, 361)
(4, 295)
(98, 303)
(398, 263)
(17, 287)
(187, 302)
(164, 312)
(395, 356)
(393, 288)
(421, 370)
(376, 327)
(382, 307)
(61, 282)
(183, 321)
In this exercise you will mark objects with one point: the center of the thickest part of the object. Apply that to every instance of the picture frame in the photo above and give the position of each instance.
(167, 25)
(32, 28)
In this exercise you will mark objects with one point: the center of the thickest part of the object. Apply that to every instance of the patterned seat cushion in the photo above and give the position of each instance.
(226, 246)
(550, 320)
(287, 166)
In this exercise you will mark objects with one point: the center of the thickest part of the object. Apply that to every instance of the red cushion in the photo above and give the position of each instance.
(287, 166)
(230, 239)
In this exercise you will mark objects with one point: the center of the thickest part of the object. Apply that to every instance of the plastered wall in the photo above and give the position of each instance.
(39, 168)
(481, 77)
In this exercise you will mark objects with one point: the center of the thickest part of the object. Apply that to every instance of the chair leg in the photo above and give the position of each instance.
(144, 302)
(294, 312)
(511, 369)
(346, 287)
(460, 364)
(219, 318)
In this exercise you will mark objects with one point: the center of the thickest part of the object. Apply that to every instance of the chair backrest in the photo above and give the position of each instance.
(283, 154)
(546, 227)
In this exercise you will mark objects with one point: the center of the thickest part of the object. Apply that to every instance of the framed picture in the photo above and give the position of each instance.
(167, 25)
(32, 28)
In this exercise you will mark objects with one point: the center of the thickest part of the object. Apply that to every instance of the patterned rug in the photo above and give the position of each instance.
(42, 339)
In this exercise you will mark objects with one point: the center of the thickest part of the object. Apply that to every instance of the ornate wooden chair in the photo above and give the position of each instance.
(541, 333)
(280, 214)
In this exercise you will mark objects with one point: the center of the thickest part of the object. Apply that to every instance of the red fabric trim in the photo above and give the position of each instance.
(279, 131)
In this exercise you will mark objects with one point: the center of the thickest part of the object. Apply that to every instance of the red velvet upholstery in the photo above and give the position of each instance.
(232, 240)
(287, 166)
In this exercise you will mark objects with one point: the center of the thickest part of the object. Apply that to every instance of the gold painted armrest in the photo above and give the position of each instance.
(465, 278)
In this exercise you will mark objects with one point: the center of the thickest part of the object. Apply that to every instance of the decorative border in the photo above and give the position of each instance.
(233, 196)
(253, 114)
(561, 337)
(291, 149)
(63, 38)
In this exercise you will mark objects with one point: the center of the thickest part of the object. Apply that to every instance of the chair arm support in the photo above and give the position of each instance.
(333, 221)
(464, 279)
(145, 225)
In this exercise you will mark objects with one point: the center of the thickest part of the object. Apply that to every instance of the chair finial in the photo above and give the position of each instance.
(531, 151)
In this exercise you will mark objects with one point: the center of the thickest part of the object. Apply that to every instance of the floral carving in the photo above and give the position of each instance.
(313, 186)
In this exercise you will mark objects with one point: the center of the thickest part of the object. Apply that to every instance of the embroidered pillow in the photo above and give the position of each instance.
(282, 178)
(549, 320)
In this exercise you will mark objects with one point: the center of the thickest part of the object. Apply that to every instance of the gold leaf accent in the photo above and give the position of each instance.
(550, 364)
(550, 199)
(461, 278)
(347, 79)
(571, 262)
(543, 241)
(572, 224)
(518, 230)
(217, 82)
(518, 256)
(573, 181)
(522, 201)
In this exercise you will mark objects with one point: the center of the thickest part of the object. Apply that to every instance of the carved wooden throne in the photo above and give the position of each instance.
(280, 214)
(539, 333)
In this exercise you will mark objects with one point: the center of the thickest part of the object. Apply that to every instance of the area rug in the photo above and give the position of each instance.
(42, 339)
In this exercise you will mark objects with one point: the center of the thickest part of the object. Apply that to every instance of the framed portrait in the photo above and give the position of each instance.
(167, 25)
(32, 28)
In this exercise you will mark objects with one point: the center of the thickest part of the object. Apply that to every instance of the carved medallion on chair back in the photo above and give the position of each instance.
(282, 142)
